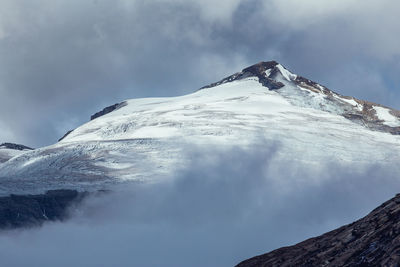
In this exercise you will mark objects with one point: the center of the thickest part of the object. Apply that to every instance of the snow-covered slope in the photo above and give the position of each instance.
(146, 139)
(10, 150)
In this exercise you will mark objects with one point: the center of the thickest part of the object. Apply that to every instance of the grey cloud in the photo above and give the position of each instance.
(224, 207)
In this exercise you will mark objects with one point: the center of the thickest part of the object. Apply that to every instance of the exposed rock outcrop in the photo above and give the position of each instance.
(65, 135)
(107, 110)
(371, 241)
(15, 146)
(32, 210)
(257, 70)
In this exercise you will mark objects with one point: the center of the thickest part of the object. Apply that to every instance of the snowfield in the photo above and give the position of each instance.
(6, 153)
(387, 118)
(146, 139)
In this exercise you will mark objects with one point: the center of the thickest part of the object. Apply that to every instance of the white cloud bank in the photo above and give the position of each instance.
(227, 206)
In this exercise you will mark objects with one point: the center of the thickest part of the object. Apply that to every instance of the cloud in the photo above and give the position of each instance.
(357, 26)
(210, 11)
(6, 133)
(301, 15)
(227, 205)
(2, 34)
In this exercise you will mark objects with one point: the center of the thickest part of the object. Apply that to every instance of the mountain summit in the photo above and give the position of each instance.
(303, 92)
(146, 139)
(264, 71)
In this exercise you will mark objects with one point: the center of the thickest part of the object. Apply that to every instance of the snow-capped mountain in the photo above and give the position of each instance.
(146, 139)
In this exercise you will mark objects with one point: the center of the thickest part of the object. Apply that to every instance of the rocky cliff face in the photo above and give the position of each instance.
(371, 241)
(32, 210)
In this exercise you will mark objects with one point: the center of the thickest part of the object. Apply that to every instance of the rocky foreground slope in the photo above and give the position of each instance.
(371, 241)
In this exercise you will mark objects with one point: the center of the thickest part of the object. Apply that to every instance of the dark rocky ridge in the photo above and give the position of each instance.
(107, 110)
(15, 146)
(65, 135)
(32, 210)
(371, 241)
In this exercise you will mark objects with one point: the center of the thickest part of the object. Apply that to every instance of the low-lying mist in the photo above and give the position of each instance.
(224, 207)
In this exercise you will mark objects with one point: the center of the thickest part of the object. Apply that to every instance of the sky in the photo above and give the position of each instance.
(62, 61)
(227, 205)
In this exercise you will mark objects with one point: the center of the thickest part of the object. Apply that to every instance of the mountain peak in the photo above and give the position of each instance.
(265, 71)
(302, 92)
(261, 66)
